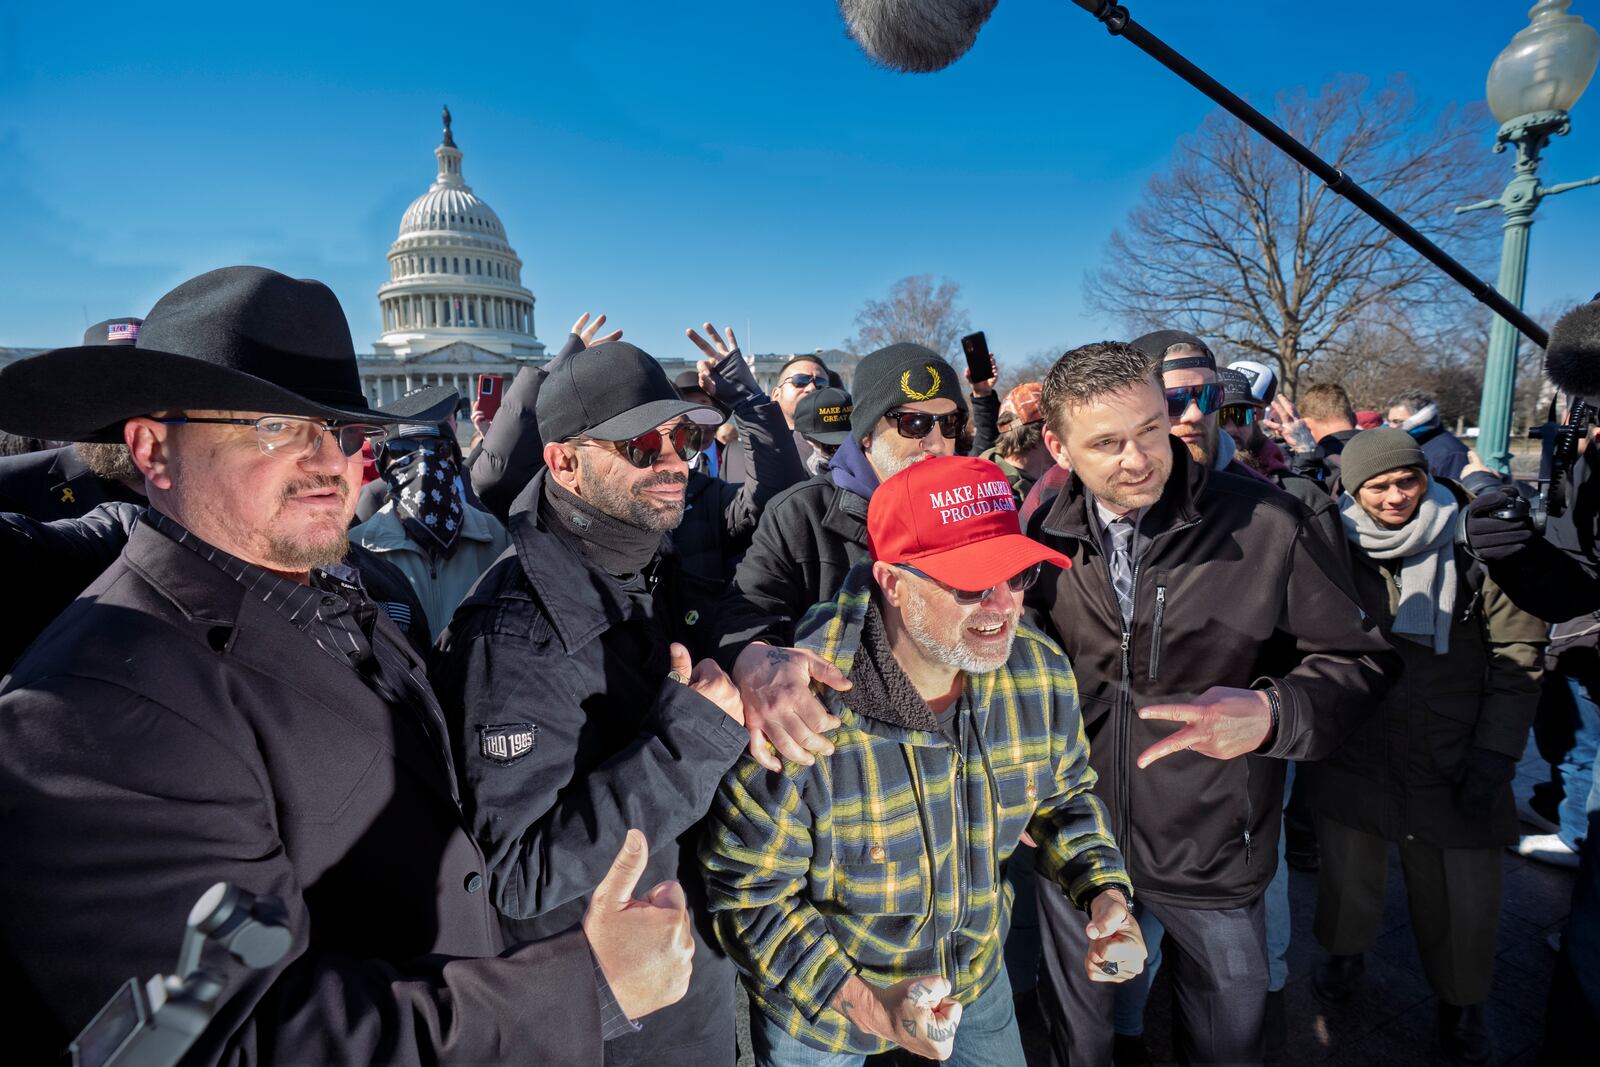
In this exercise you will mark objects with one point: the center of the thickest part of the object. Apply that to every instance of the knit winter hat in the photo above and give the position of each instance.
(1371, 452)
(900, 374)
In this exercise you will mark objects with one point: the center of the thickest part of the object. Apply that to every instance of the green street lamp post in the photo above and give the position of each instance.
(1532, 85)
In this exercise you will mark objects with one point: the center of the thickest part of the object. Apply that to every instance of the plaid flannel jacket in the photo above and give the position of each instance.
(887, 859)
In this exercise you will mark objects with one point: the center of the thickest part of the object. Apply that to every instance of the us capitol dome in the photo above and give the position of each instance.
(454, 305)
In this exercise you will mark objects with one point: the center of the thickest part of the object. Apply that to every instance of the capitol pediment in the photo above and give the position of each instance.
(454, 354)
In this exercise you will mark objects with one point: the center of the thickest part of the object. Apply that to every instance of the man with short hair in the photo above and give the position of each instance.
(908, 406)
(799, 377)
(1316, 430)
(568, 678)
(1155, 539)
(863, 898)
(1417, 413)
(226, 704)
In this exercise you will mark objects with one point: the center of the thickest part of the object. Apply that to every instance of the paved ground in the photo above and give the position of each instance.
(1390, 1023)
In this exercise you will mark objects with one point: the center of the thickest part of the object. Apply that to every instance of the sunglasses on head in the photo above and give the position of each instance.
(1241, 414)
(919, 424)
(1205, 397)
(800, 381)
(688, 439)
(967, 597)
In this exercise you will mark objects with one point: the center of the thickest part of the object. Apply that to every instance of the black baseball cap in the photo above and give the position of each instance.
(611, 392)
(824, 416)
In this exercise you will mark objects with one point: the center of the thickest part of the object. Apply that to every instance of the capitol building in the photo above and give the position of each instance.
(455, 305)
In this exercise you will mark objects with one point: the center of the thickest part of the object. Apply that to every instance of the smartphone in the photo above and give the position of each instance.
(980, 366)
(491, 388)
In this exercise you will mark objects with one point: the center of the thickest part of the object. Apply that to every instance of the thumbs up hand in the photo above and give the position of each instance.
(644, 947)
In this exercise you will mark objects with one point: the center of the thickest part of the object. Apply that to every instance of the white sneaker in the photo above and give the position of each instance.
(1547, 848)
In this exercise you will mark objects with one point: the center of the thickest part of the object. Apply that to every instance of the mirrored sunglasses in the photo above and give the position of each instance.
(688, 440)
(1205, 397)
(1237, 414)
(800, 381)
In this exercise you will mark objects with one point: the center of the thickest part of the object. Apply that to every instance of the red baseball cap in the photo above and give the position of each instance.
(954, 519)
(1021, 406)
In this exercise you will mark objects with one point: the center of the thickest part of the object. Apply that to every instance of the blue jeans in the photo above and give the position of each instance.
(1278, 918)
(987, 1037)
(1580, 796)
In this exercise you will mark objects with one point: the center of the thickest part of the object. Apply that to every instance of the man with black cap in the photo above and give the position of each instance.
(65, 482)
(427, 528)
(226, 704)
(823, 419)
(568, 681)
(908, 406)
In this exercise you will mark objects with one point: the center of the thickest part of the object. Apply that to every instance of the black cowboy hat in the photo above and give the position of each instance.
(234, 339)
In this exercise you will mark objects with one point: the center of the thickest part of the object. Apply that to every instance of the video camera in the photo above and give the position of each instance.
(153, 1025)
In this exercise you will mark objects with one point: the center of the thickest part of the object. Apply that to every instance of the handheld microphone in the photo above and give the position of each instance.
(918, 36)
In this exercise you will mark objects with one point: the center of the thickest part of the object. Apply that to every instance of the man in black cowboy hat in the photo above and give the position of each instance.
(225, 703)
(71, 480)
(567, 677)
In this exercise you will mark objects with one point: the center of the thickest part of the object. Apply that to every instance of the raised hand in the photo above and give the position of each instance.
(587, 331)
(1221, 723)
(985, 388)
(644, 947)
(716, 349)
(782, 714)
(1116, 944)
(1284, 420)
(707, 679)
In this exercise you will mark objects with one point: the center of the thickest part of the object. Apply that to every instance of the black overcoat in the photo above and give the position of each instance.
(169, 731)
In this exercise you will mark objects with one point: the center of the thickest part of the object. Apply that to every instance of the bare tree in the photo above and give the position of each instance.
(918, 309)
(1237, 243)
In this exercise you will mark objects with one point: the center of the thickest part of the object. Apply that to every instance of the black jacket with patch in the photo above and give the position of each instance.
(1233, 588)
(569, 732)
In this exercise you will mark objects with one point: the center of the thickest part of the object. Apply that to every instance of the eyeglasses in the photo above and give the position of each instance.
(1241, 414)
(800, 381)
(293, 438)
(967, 597)
(688, 440)
(1205, 397)
(919, 424)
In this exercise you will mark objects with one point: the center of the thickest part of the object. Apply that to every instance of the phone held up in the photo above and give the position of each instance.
(980, 365)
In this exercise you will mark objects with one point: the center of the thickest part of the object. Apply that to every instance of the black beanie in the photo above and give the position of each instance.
(900, 374)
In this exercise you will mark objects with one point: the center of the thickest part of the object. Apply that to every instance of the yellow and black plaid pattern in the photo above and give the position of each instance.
(888, 858)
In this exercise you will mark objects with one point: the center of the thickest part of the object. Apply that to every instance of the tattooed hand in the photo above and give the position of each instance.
(784, 717)
(917, 1014)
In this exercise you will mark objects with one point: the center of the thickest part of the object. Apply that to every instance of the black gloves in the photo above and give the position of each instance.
(1480, 779)
(1492, 537)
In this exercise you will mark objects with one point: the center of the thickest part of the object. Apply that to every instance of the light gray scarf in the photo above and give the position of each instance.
(1426, 548)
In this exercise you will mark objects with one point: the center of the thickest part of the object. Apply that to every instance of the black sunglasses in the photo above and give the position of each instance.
(800, 381)
(688, 439)
(919, 424)
(1205, 397)
(1016, 583)
(1243, 414)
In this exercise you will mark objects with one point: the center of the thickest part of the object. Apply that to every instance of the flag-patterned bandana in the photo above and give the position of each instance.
(425, 485)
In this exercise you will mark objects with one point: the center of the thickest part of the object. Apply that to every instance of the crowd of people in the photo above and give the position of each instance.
(887, 708)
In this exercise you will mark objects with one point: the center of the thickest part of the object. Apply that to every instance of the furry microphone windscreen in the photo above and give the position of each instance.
(915, 35)
(1572, 359)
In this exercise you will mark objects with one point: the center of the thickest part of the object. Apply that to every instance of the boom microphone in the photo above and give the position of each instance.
(918, 36)
(1572, 359)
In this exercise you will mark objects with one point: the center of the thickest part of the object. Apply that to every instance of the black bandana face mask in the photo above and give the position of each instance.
(423, 476)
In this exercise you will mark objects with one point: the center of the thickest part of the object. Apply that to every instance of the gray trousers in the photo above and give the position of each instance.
(1453, 895)
(1218, 962)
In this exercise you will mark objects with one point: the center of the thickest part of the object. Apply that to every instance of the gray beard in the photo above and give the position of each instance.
(886, 462)
(953, 653)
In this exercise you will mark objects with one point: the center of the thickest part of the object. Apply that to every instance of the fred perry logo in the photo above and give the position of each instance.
(507, 743)
(920, 394)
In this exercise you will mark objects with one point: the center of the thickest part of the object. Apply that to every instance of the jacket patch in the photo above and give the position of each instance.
(507, 743)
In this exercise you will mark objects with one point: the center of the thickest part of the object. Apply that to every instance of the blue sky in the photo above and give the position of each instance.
(742, 162)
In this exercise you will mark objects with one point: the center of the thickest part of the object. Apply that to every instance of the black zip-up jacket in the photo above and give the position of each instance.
(568, 732)
(1232, 588)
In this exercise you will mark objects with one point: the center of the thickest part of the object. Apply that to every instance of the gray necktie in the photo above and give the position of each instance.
(1122, 566)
